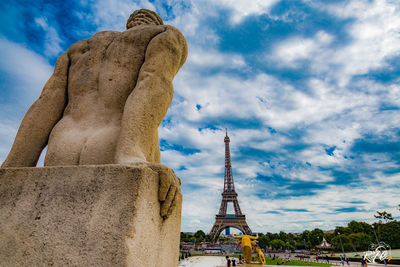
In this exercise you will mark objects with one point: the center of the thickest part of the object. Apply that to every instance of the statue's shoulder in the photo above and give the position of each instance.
(171, 36)
(177, 40)
(100, 36)
(173, 31)
(153, 31)
(105, 34)
(173, 40)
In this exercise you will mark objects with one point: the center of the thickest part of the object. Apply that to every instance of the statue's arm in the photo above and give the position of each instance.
(33, 133)
(148, 103)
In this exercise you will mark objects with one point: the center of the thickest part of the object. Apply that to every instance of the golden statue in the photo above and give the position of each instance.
(248, 247)
(261, 256)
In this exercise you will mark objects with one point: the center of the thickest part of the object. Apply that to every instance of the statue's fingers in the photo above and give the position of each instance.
(174, 202)
(168, 201)
(165, 183)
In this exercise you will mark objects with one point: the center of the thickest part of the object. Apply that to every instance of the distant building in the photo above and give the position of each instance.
(296, 234)
(324, 245)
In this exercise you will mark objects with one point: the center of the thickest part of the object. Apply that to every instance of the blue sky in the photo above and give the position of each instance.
(309, 91)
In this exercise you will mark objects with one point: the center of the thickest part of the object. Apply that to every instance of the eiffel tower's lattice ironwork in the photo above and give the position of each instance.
(222, 219)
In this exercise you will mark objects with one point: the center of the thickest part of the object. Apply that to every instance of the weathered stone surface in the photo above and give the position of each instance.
(105, 215)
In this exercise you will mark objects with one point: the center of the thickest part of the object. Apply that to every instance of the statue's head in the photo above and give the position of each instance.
(142, 17)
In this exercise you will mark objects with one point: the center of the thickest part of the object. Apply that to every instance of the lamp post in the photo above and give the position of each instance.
(377, 240)
(344, 255)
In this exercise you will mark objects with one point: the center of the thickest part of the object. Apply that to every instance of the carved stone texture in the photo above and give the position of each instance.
(105, 215)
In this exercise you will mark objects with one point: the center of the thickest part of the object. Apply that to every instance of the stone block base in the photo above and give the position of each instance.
(106, 215)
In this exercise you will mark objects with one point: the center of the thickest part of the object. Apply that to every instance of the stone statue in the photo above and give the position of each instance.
(105, 100)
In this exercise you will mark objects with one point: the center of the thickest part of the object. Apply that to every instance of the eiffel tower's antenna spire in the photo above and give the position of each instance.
(228, 179)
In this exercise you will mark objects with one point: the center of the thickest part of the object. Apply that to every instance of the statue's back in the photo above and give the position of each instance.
(102, 74)
(104, 70)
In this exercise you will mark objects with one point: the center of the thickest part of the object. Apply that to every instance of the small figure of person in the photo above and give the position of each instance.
(347, 261)
(327, 259)
(233, 262)
(342, 259)
(228, 261)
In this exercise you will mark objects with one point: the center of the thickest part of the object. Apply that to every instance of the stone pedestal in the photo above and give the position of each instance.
(107, 215)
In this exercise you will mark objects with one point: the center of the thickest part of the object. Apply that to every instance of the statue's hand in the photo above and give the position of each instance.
(169, 192)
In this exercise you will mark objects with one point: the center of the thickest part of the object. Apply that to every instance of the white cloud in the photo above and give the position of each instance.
(211, 58)
(26, 76)
(243, 8)
(112, 14)
(52, 40)
(290, 52)
(373, 39)
(7, 134)
(28, 71)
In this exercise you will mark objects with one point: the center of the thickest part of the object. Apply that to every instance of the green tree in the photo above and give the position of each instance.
(186, 237)
(200, 235)
(364, 241)
(263, 241)
(208, 238)
(359, 241)
(390, 234)
(272, 236)
(316, 236)
(347, 246)
(289, 246)
(292, 242)
(355, 227)
(292, 238)
(383, 216)
(328, 236)
(342, 230)
(283, 236)
(277, 244)
(305, 236)
(367, 228)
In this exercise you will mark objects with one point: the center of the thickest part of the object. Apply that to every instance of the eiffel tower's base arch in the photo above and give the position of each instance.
(222, 222)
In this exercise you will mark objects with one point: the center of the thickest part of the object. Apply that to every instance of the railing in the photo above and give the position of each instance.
(230, 216)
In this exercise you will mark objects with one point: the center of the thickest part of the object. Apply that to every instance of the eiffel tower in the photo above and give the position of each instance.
(223, 220)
